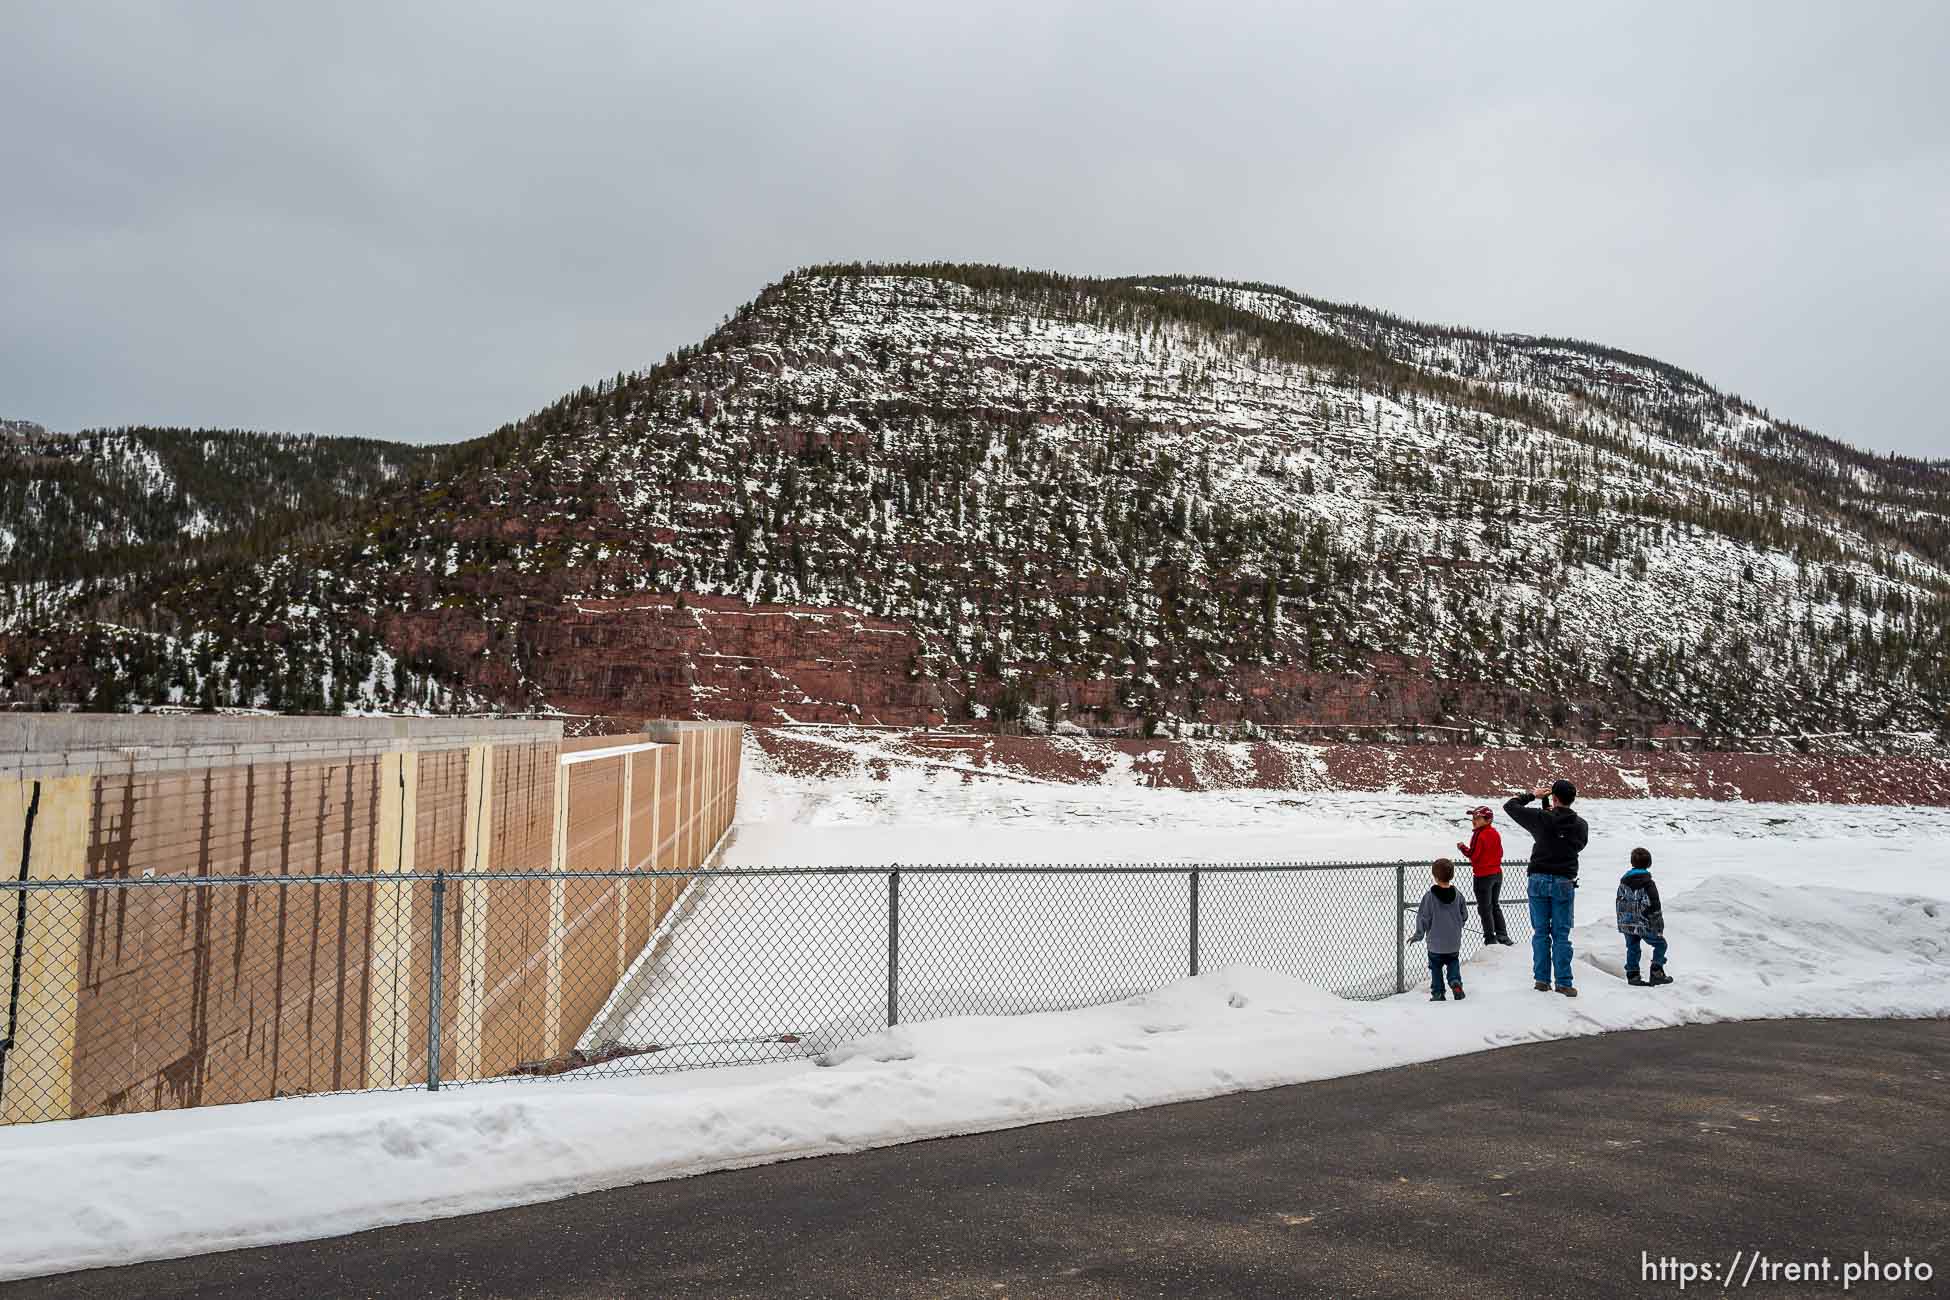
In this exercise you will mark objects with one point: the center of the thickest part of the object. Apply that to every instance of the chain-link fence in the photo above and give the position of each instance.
(157, 993)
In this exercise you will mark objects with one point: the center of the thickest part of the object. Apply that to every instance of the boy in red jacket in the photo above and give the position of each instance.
(1485, 853)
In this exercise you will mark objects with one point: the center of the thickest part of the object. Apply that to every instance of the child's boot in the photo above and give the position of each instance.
(1457, 990)
(1633, 978)
(1437, 996)
(1659, 975)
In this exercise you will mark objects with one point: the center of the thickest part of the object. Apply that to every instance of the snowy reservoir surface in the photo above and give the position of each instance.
(1772, 911)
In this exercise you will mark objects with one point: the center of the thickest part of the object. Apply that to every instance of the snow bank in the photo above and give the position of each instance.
(124, 1188)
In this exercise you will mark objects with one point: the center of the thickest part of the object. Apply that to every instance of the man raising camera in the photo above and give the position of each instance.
(1558, 835)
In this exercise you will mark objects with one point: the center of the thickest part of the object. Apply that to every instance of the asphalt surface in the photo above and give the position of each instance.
(1544, 1170)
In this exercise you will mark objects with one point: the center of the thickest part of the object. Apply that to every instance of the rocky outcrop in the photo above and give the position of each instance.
(660, 656)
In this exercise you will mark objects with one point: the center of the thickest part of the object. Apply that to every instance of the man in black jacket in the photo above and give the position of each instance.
(1558, 835)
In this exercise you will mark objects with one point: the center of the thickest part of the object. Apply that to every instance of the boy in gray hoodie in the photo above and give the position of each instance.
(1440, 918)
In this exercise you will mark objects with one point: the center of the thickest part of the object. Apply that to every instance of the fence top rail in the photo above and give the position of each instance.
(1178, 868)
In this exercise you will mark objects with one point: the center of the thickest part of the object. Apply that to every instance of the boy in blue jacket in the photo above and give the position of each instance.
(1641, 918)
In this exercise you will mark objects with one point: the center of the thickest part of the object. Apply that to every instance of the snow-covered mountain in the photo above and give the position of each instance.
(71, 503)
(961, 493)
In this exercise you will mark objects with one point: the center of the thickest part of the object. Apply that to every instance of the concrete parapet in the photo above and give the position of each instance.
(50, 745)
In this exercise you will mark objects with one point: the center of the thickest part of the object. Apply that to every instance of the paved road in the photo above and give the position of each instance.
(1542, 1170)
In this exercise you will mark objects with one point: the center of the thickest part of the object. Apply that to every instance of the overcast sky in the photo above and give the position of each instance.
(420, 221)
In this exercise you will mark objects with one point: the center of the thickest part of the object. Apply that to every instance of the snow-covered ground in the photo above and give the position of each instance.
(756, 959)
(1772, 911)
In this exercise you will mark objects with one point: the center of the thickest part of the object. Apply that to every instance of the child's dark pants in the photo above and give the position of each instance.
(1658, 942)
(1489, 908)
(1440, 962)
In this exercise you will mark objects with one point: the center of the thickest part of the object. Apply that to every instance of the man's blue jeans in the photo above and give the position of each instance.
(1550, 928)
(1658, 942)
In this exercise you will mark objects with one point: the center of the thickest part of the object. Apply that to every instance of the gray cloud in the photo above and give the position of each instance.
(421, 221)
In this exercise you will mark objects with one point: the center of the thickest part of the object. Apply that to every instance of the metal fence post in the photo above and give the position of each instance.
(1401, 939)
(1194, 920)
(893, 947)
(12, 1025)
(434, 989)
